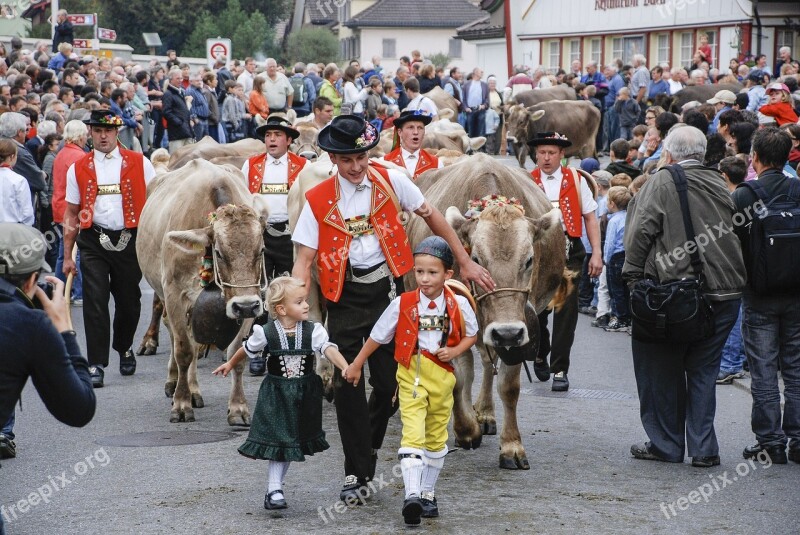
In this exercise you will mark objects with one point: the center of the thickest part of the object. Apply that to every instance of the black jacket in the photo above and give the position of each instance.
(31, 347)
(63, 34)
(175, 110)
(27, 167)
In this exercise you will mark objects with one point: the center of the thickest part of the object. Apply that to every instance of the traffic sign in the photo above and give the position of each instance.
(109, 35)
(86, 19)
(83, 43)
(216, 48)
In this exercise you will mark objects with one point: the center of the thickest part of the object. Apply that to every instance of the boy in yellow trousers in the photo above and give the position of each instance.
(431, 326)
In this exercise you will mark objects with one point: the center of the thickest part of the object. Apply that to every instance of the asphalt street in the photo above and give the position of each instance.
(582, 477)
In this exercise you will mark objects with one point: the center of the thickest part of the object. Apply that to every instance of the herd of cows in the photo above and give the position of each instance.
(199, 205)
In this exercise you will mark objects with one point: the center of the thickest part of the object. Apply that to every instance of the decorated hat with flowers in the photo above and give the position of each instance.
(549, 138)
(104, 118)
(348, 134)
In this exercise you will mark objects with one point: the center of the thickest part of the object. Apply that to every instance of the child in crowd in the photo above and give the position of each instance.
(431, 326)
(614, 258)
(704, 49)
(628, 110)
(287, 420)
(15, 195)
(588, 292)
(620, 179)
(620, 151)
(734, 170)
(392, 112)
(234, 115)
(637, 184)
(779, 105)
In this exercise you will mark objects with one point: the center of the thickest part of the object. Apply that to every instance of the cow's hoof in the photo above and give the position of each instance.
(489, 428)
(508, 463)
(329, 394)
(148, 347)
(523, 463)
(238, 419)
(469, 443)
(169, 388)
(197, 400)
(177, 415)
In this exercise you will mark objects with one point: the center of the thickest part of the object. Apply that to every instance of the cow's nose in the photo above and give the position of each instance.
(246, 309)
(510, 336)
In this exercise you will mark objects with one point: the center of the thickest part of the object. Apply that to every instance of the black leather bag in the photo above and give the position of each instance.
(676, 311)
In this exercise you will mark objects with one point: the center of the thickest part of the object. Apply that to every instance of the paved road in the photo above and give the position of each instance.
(582, 478)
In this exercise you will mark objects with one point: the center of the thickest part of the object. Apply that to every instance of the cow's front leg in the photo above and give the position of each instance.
(484, 407)
(149, 344)
(194, 386)
(465, 425)
(172, 372)
(512, 452)
(182, 399)
(238, 411)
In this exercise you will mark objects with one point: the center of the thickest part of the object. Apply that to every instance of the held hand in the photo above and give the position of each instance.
(69, 266)
(56, 309)
(595, 265)
(352, 374)
(472, 272)
(225, 369)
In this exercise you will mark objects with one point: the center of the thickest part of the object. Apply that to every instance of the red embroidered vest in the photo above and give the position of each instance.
(405, 341)
(256, 170)
(426, 160)
(568, 199)
(131, 184)
(335, 239)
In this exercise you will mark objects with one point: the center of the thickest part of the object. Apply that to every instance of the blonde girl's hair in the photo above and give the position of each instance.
(278, 291)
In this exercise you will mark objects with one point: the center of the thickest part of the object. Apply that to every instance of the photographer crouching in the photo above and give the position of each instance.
(37, 343)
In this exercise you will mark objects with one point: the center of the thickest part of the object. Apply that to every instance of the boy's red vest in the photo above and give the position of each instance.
(334, 237)
(405, 342)
(568, 199)
(426, 160)
(131, 184)
(256, 170)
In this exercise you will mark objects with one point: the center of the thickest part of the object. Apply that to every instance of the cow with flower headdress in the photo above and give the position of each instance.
(507, 224)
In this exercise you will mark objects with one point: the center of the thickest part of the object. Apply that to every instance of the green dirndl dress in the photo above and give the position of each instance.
(287, 420)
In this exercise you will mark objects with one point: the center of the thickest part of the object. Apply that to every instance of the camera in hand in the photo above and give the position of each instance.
(48, 288)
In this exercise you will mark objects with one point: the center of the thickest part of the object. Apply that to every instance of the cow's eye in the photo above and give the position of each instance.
(529, 262)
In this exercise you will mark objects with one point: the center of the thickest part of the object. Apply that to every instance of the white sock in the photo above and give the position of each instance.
(277, 471)
(434, 461)
(412, 470)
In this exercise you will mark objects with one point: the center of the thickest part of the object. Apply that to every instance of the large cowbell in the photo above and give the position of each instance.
(209, 321)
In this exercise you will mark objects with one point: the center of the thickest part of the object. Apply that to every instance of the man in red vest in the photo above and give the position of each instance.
(270, 175)
(410, 127)
(567, 190)
(106, 191)
(351, 227)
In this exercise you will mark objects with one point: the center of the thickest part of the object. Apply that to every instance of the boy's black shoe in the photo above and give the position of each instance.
(430, 509)
(602, 321)
(776, 453)
(412, 510)
(8, 450)
(127, 363)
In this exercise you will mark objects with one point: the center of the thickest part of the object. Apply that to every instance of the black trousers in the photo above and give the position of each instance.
(109, 273)
(565, 320)
(362, 423)
(278, 253)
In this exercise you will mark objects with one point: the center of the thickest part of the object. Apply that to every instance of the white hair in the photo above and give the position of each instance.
(698, 73)
(45, 128)
(686, 143)
(640, 59)
(11, 122)
(75, 130)
(612, 68)
(784, 49)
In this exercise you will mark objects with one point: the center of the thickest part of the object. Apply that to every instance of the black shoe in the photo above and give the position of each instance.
(602, 321)
(412, 510)
(641, 451)
(97, 374)
(430, 509)
(351, 493)
(794, 455)
(272, 503)
(258, 366)
(127, 363)
(560, 382)
(705, 462)
(776, 453)
(588, 310)
(8, 450)
(542, 370)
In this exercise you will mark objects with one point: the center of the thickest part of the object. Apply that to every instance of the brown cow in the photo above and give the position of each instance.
(444, 101)
(207, 149)
(174, 231)
(525, 255)
(537, 96)
(306, 145)
(700, 93)
(579, 120)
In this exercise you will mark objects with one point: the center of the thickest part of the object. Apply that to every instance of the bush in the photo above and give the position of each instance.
(316, 45)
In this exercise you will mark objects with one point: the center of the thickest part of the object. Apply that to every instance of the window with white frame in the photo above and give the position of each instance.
(344, 10)
(389, 48)
(617, 50)
(574, 50)
(454, 48)
(687, 49)
(784, 38)
(554, 56)
(595, 49)
(662, 53)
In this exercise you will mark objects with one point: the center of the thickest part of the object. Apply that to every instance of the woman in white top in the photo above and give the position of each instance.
(352, 95)
(16, 205)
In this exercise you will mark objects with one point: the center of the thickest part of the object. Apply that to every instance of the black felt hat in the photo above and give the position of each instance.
(549, 138)
(104, 118)
(277, 122)
(412, 115)
(348, 134)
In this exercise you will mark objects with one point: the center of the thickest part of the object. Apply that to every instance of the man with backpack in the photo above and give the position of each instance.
(771, 323)
(304, 91)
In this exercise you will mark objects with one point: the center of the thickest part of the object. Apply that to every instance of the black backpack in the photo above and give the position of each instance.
(300, 94)
(773, 262)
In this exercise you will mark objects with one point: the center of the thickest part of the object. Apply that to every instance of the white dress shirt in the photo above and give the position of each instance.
(276, 171)
(552, 188)
(421, 102)
(384, 330)
(15, 198)
(365, 251)
(411, 161)
(107, 208)
(257, 341)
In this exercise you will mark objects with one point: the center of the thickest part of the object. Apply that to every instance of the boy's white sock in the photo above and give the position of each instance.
(277, 471)
(434, 461)
(411, 465)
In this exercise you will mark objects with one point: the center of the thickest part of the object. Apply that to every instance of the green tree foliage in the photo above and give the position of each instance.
(273, 10)
(313, 44)
(439, 60)
(250, 35)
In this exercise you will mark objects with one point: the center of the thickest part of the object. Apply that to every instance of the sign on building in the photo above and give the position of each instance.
(108, 35)
(86, 19)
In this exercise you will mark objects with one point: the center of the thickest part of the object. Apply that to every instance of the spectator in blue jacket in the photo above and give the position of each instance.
(58, 61)
(305, 94)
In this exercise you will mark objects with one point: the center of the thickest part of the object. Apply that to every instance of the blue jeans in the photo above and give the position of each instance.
(625, 132)
(617, 288)
(476, 123)
(733, 352)
(77, 281)
(8, 427)
(771, 332)
(611, 127)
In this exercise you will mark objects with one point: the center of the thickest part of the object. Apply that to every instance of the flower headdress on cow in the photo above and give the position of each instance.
(476, 206)
(409, 115)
